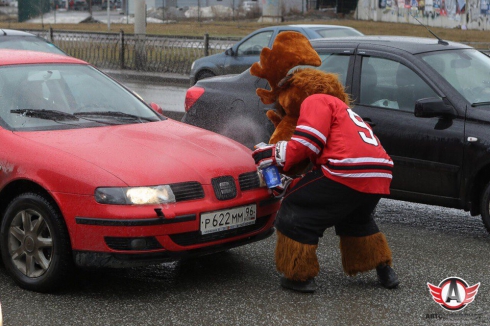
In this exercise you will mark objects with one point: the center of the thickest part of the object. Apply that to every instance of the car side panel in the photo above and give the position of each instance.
(477, 155)
(427, 152)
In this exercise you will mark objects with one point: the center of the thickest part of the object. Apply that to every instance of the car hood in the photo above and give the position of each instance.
(151, 153)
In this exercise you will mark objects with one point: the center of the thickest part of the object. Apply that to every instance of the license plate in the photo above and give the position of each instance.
(228, 219)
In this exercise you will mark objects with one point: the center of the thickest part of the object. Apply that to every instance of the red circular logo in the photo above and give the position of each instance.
(453, 293)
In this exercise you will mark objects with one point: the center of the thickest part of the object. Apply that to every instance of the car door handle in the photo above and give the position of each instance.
(369, 122)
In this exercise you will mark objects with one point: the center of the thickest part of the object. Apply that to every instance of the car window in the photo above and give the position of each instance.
(331, 63)
(338, 32)
(68, 89)
(390, 84)
(254, 44)
(467, 71)
(337, 64)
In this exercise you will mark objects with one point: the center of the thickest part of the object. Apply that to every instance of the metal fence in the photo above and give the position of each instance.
(173, 54)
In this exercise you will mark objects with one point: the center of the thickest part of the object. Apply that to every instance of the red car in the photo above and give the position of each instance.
(90, 175)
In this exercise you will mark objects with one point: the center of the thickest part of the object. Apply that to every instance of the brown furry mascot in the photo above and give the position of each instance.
(351, 171)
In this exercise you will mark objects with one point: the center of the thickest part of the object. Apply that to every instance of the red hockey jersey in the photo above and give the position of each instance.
(339, 142)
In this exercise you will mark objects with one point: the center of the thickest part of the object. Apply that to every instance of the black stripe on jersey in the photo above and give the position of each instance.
(310, 137)
(359, 167)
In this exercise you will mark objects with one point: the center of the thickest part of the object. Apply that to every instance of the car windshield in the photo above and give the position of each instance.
(31, 43)
(59, 96)
(337, 32)
(468, 71)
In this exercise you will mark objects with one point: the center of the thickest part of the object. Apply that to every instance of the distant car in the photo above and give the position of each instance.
(80, 5)
(19, 40)
(244, 53)
(428, 101)
(114, 4)
(90, 175)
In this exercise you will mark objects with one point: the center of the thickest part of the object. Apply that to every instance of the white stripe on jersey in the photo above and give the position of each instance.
(307, 144)
(359, 175)
(313, 131)
(362, 160)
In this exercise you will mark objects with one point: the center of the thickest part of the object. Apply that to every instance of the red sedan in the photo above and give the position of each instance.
(90, 175)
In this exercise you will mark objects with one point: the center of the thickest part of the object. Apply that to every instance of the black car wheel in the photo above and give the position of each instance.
(204, 74)
(35, 244)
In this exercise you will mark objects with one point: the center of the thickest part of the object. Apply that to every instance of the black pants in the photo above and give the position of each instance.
(316, 203)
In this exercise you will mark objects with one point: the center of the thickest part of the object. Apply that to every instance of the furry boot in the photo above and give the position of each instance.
(297, 261)
(362, 254)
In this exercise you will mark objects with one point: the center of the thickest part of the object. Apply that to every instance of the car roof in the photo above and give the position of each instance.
(409, 44)
(307, 26)
(14, 57)
(14, 32)
(319, 26)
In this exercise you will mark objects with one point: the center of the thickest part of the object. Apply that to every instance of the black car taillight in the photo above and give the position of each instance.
(192, 95)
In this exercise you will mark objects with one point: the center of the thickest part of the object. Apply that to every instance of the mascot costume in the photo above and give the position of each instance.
(345, 168)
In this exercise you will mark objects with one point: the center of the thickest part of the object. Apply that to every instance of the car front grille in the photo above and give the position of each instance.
(224, 187)
(187, 191)
(192, 238)
(249, 180)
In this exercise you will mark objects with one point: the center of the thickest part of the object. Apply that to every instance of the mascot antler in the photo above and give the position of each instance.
(289, 50)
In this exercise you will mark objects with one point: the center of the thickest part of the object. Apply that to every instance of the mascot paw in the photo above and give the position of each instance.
(274, 117)
(387, 276)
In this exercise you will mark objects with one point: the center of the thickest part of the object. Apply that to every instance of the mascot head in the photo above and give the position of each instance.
(290, 89)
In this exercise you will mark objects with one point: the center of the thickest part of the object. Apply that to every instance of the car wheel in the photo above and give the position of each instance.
(35, 245)
(485, 207)
(204, 74)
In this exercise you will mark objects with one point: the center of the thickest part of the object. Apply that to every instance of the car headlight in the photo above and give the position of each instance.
(135, 195)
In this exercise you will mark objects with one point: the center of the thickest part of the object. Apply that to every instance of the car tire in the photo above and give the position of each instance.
(485, 207)
(204, 74)
(35, 244)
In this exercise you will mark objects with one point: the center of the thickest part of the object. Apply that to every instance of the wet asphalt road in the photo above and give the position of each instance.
(240, 286)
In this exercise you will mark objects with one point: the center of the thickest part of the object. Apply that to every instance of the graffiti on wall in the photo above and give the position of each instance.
(431, 8)
(475, 10)
(478, 12)
(464, 14)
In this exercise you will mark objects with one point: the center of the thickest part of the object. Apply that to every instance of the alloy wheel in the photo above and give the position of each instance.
(30, 243)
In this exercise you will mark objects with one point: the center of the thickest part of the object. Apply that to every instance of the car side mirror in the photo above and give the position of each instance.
(230, 52)
(433, 107)
(157, 108)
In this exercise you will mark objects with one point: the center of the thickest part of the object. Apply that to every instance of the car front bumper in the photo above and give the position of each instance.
(117, 236)
(124, 260)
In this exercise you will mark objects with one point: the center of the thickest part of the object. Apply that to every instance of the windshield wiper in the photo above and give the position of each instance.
(45, 114)
(112, 114)
(480, 104)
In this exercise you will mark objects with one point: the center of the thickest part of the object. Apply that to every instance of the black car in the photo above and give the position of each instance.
(427, 100)
(19, 40)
